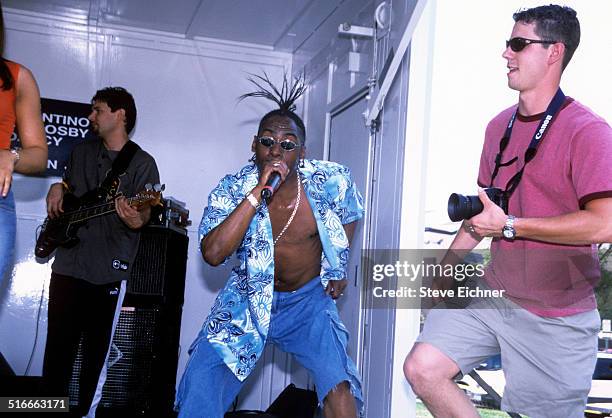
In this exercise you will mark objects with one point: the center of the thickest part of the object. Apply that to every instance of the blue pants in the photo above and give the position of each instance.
(7, 233)
(304, 323)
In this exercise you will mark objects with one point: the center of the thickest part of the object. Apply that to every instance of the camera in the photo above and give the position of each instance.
(464, 207)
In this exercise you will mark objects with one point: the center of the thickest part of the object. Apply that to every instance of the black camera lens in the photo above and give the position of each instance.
(462, 207)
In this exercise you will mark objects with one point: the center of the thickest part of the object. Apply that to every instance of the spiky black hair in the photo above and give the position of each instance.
(285, 98)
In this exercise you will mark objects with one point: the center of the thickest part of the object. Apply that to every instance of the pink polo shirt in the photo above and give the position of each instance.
(573, 166)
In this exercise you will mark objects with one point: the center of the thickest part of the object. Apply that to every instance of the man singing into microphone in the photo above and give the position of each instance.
(293, 249)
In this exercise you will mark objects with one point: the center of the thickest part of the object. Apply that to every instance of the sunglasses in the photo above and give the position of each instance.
(285, 144)
(518, 44)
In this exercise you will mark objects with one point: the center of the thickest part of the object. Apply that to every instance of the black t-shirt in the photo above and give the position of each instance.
(107, 247)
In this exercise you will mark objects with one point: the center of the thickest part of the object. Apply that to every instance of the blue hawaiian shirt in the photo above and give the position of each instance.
(238, 323)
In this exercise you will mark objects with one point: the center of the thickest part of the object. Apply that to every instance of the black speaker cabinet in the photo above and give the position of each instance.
(294, 402)
(141, 370)
(5, 368)
(158, 274)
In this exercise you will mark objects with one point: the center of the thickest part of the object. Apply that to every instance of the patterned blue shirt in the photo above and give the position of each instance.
(238, 323)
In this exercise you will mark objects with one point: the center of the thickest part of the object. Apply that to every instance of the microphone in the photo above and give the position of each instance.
(271, 185)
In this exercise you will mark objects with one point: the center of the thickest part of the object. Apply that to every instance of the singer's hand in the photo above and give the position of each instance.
(270, 167)
(335, 288)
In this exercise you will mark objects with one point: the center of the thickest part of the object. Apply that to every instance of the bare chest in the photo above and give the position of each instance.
(301, 229)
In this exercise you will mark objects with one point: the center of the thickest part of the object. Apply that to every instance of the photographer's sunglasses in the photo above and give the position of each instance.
(286, 144)
(518, 44)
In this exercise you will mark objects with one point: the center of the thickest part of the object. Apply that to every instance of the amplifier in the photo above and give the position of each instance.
(141, 369)
(158, 274)
(171, 214)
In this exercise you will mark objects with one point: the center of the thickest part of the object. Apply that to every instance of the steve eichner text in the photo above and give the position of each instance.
(426, 292)
(411, 271)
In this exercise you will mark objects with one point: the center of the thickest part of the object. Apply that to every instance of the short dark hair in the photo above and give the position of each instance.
(286, 113)
(554, 23)
(118, 98)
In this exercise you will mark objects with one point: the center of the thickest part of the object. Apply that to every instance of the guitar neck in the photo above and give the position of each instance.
(84, 214)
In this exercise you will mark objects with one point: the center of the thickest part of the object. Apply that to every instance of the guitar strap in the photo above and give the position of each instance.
(110, 184)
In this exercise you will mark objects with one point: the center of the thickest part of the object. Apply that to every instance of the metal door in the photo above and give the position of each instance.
(349, 144)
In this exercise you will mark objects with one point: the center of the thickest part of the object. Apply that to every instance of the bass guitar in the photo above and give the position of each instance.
(61, 231)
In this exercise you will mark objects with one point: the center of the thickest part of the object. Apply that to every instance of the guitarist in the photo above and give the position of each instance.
(88, 280)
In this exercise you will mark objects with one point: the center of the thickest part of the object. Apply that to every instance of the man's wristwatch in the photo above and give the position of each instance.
(508, 230)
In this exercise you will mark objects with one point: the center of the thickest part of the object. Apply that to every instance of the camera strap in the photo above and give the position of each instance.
(553, 108)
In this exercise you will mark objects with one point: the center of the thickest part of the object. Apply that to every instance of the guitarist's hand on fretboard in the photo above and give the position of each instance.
(132, 217)
(55, 200)
(67, 213)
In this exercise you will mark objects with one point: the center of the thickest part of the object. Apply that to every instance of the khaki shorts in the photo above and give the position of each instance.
(548, 363)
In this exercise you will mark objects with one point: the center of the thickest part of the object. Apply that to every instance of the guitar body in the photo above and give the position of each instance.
(60, 232)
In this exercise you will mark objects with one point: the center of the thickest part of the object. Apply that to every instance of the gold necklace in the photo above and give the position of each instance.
(297, 204)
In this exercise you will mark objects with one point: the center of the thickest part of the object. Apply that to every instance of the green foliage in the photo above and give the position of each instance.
(422, 412)
(603, 292)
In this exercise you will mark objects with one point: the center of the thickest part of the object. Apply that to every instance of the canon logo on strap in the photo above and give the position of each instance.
(543, 127)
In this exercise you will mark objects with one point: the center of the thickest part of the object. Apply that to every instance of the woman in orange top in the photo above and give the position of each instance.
(20, 106)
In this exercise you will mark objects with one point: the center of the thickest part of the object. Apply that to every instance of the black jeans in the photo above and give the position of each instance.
(78, 309)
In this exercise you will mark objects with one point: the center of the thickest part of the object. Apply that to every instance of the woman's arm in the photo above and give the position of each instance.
(33, 155)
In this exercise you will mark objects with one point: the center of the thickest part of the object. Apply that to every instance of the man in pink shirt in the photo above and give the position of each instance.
(552, 156)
